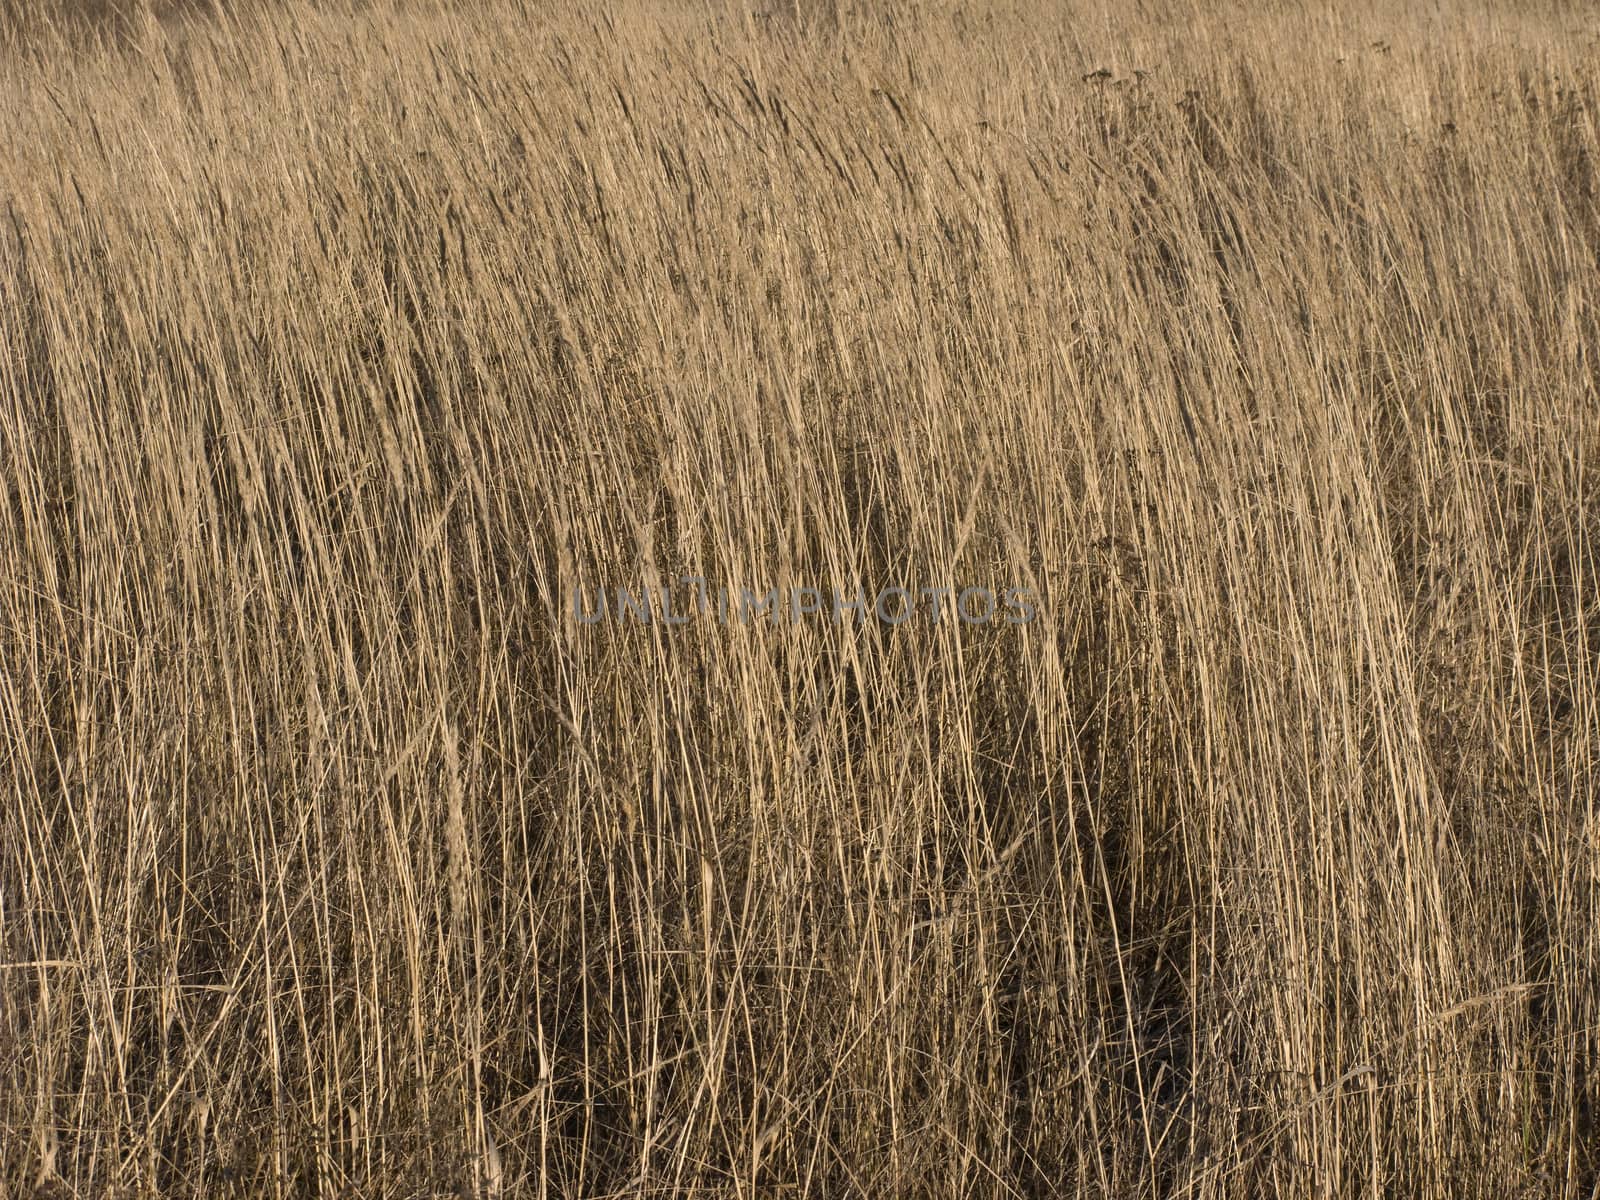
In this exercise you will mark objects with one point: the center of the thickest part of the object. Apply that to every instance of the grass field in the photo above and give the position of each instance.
(343, 349)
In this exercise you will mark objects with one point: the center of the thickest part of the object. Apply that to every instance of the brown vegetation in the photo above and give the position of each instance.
(339, 347)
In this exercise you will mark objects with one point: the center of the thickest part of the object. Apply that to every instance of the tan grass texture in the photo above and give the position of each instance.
(341, 346)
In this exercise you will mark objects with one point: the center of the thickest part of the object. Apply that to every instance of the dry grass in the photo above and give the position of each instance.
(338, 348)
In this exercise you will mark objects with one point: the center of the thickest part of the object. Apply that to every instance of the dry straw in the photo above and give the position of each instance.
(340, 342)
